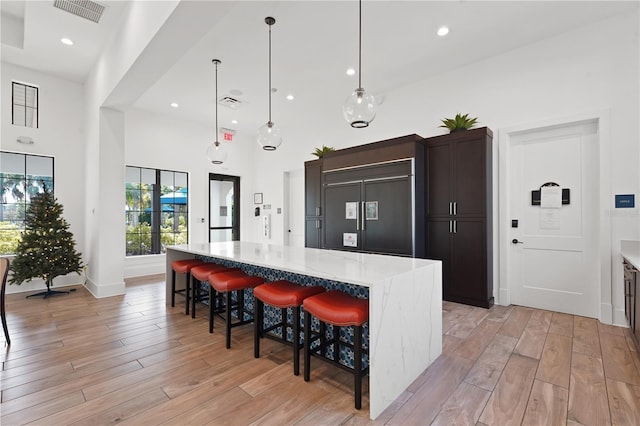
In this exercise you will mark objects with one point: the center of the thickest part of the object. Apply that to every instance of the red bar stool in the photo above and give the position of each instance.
(338, 309)
(200, 274)
(182, 267)
(281, 294)
(229, 282)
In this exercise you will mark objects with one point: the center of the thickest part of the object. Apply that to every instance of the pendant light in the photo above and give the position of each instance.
(215, 152)
(359, 108)
(269, 134)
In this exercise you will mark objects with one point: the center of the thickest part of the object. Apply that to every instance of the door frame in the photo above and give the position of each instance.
(505, 136)
(235, 230)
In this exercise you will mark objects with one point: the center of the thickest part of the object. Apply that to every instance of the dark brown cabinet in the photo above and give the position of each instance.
(382, 185)
(458, 214)
(314, 214)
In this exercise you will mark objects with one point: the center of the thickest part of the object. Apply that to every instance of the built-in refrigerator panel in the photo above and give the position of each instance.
(371, 209)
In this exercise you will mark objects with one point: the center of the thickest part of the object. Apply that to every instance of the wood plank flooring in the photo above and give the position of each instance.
(131, 360)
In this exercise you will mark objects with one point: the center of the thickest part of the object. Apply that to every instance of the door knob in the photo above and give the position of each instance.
(515, 241)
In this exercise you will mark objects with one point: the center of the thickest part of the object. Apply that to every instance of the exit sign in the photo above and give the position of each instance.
(228, 136)
(625, 201)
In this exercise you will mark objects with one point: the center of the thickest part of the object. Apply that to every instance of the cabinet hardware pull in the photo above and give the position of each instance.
(455, 226)
(450, 208)
(317, 211)
(451, 227)
(455, 208)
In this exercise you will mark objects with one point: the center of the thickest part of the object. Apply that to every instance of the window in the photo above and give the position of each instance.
(21, 177)
(156, 210)
(25, 105)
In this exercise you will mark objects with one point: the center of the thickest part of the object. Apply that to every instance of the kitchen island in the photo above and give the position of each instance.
(405, 300)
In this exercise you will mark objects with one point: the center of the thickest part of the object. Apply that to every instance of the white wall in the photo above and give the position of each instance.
(160, 141)
(593, 68)
(60, 135)
(589, 69)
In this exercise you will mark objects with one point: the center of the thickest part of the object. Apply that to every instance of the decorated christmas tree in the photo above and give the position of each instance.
(47, 248)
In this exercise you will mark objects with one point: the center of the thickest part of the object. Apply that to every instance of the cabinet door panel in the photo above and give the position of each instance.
(438, 179)
(313, 188)
(312, 233)
(390, 229)
(469, 178)
(335, 223)
(439, 248)
(469, 262)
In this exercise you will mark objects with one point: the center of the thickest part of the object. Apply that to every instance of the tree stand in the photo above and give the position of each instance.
(49, 292)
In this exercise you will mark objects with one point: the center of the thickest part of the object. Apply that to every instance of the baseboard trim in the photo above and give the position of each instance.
(105, 290)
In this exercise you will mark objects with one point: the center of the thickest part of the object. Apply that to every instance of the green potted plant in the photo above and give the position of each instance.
(460, 122)
(320, 152)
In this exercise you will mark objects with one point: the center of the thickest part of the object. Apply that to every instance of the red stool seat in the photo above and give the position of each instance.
(233, 280)
(338, 308)
(237, 283)
(183, 266)
(281, 294)
(201, 273)
(284, 294)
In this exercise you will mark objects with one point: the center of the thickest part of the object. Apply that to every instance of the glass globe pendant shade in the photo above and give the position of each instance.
(269, 136)
(216, 154)
(359, 108)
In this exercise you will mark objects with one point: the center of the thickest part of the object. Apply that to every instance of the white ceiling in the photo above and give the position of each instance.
(314, 42)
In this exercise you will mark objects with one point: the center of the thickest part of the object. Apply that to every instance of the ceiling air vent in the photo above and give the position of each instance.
(83, 8)
(229, 102)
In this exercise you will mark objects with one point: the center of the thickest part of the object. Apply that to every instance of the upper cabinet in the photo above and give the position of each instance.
(459, 173)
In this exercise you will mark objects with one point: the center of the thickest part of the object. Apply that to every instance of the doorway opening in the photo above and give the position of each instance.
(224, 208)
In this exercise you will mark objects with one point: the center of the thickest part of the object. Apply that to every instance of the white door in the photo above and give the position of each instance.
(553, 258)
(296, 208)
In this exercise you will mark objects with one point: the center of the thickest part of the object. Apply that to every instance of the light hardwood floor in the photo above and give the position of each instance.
(132, 360)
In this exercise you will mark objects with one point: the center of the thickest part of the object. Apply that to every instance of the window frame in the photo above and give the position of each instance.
(36, 108)
(156, 212)
(25, 177)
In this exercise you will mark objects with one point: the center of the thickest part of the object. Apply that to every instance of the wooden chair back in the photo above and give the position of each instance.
(4, 272)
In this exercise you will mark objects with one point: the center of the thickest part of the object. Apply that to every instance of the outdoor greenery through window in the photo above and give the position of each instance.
(156, 210)
(25, 105)
(21, 177)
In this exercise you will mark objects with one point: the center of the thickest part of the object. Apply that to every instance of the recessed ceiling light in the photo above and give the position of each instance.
(443, 31)
(234, 121)
(351, 71)
(174, 105)
(290, 97)
(67, 41)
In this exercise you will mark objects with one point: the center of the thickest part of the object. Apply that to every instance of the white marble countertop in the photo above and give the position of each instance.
(356, 268)
(630, 250)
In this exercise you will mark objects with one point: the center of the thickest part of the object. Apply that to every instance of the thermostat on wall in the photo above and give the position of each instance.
(625, 201)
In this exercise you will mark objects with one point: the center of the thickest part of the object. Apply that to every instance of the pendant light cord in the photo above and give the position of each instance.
(360, 44)
(216, 101)
(270, 73)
